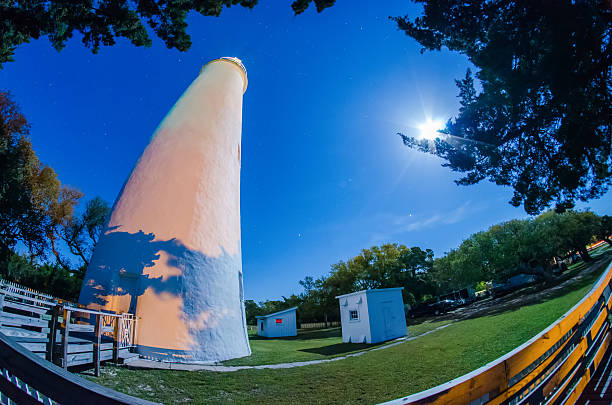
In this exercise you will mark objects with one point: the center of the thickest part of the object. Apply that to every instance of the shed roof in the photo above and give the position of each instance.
(370, 291)
(276, 313)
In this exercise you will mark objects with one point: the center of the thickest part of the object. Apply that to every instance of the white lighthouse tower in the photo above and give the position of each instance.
(171, 251)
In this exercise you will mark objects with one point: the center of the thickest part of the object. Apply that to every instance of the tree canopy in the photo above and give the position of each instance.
(540, 118)
(102, 22)
(530, 246)
(36, 209)
(534, 246)
(24, 183)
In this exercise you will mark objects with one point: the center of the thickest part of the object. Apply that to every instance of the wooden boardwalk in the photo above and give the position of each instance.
(61, 332)
(35, 327)
(599, 389)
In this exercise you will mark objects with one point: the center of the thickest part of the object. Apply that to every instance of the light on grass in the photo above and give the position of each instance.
(429, 129)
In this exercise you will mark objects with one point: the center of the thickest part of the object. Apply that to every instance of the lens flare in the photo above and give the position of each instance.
(430, 129)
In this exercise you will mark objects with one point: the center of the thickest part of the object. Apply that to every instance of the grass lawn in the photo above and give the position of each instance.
(373, 377)
(312, 345)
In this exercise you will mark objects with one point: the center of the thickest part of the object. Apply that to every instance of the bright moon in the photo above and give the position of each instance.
(429, 129)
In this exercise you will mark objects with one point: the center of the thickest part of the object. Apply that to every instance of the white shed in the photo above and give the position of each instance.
(282, 323)
(372, 316)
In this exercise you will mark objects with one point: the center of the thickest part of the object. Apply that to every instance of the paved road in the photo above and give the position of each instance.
(599, 389)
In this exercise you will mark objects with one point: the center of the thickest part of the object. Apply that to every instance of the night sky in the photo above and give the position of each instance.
(323, 172)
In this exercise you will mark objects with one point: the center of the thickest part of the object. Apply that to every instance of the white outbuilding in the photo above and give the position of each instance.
(278, 324)
(372, 316)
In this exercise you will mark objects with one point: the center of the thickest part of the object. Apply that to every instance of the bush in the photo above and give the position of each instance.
(47, 278)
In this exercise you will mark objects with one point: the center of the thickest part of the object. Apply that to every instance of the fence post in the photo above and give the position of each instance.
(96, 345)
(116, 339)
(52, 333)
(134, 328)
(65, 336)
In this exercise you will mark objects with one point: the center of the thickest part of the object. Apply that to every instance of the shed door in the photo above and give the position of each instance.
(388, 324)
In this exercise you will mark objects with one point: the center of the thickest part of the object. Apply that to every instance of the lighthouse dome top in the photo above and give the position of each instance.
(236, 62)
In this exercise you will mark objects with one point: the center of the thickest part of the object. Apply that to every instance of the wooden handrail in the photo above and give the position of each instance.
(91, 311)
(50, 380)
(83, 333)
(24, 288)
(557, 363)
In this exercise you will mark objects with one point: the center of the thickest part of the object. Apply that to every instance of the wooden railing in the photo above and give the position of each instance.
(27, 379)
(552, 368)
(63, 332)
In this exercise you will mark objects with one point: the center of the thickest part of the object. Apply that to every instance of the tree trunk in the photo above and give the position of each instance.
(31, 250)
(76, 250)
(56, 253)
(325, 315)
(585, 255)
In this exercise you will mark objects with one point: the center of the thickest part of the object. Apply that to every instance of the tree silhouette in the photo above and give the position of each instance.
(541, 121)
(102, 22)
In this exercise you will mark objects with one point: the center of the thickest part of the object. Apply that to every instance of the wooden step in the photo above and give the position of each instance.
(87, 347)
(35, 347)
(22, 320)
(25, 307)
(78, 359)
(23, 335)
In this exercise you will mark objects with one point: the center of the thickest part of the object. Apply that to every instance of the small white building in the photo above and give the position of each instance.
(372, 316)
(282, 323)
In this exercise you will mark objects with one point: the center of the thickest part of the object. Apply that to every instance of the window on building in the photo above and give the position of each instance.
(279, 320)
(262, 325)
(353, 315)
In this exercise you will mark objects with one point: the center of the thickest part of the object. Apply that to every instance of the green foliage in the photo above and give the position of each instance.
(22, 182)
(252, 309)
(37, 211)
(518, 246)
(81, 233)
(34, 205)
(481, 286)
(542, 122)
(386, 266)
(605, 229)
(529, 246)
(299, 6)
(102, 22)
(47, 278)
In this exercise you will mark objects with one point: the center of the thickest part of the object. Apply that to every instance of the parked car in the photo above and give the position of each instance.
(434, 308)
(443, 306)
(514, 283)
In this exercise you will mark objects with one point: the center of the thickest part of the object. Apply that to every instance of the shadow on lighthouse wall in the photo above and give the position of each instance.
(126, 265)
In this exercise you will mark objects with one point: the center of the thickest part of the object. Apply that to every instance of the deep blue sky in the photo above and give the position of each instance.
(323, 172)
